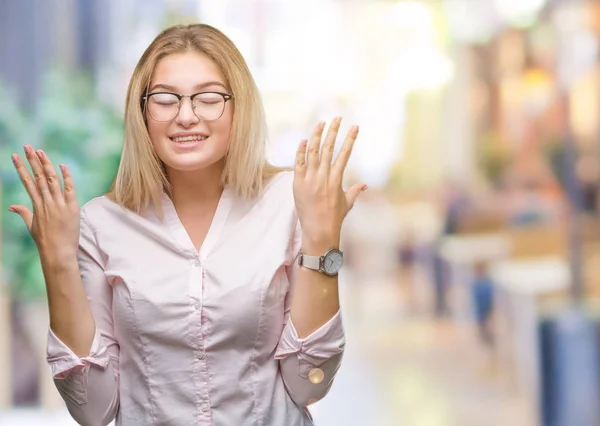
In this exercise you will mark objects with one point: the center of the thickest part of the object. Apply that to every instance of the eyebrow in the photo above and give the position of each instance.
(196, 87)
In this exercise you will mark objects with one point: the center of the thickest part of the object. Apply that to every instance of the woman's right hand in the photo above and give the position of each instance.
(54, 221)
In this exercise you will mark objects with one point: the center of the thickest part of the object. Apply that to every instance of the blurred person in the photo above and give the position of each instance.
(440, 280)
(407, 249)
(407, 252)
(588, 173)
(482, 296)
(202, 289)
(455, 204)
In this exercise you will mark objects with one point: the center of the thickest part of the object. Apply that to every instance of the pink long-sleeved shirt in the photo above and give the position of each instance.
(195, 338)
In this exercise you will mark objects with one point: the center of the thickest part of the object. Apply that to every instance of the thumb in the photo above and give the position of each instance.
(353, 192)
(25, 213)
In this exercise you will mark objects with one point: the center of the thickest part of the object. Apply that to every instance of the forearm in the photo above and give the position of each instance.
(312, 343)
(316, 298)
(71, 318)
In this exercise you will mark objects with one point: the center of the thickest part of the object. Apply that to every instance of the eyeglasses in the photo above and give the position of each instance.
(207, 106)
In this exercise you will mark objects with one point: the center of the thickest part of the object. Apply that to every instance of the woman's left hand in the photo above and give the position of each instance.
(321, 202)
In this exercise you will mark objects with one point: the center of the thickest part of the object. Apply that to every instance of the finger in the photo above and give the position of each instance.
(51, 177)
(69, 186)
(341, 161)
(300, 164)
(38, 172)
(312, 158)
(329, 144)
(27, 180)
(352, 194)
(25, 213)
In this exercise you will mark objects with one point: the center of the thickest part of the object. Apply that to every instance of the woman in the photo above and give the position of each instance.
(202, 289)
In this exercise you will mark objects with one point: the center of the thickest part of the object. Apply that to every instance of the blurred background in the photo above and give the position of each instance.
(469, 292)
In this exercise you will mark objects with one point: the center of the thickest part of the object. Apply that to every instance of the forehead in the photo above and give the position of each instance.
(187, 70)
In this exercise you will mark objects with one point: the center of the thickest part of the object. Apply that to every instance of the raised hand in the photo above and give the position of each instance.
(321, 202)
(54, 221)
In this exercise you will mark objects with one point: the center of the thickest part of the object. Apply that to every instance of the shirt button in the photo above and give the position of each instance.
(316, 375)
(200, 356)
(204, 408)
(197, 263)
(197, 306)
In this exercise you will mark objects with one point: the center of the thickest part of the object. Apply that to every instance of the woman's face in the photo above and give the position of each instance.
(186, 142)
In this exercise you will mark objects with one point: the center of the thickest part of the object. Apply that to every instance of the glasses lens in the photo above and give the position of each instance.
(209, 106)
(163, 106)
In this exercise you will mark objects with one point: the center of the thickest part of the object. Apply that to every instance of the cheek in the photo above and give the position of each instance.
(222, 128)
(157, 131)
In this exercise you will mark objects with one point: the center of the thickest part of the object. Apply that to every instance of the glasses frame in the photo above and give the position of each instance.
(146, 97)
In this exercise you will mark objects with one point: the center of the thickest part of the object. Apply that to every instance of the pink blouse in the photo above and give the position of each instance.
(195, 338)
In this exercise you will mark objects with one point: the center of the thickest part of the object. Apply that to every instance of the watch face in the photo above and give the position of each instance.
(333, 262)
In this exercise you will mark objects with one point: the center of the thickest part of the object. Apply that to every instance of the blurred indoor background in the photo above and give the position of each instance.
(469, 288)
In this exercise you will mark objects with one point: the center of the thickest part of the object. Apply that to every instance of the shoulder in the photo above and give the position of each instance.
(278, 191)
(276, 198)
(280, 184)
(100, 212)
(97, 205)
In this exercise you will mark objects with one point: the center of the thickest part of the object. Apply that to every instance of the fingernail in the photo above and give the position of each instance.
(28, 148)
(40, 154)
(14, 157)
(364, 188)
(12, 210)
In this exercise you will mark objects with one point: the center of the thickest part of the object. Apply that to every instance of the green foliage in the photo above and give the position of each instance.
(74, 128)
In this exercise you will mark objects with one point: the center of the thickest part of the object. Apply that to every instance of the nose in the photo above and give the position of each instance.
(186, 116)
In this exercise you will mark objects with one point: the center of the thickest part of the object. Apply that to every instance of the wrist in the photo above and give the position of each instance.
(58, 259)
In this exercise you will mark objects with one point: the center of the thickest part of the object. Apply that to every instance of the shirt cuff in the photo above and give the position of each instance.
(62, 360)
(315, 349)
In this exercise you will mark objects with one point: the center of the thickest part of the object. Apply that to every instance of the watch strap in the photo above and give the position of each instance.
(310, 262)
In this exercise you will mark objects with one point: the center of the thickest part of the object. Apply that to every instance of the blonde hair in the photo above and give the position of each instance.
(141, 177)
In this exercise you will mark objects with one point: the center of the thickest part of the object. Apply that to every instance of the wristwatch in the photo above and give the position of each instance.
(329, 264)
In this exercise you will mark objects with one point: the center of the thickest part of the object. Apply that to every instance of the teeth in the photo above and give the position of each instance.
(193, 138)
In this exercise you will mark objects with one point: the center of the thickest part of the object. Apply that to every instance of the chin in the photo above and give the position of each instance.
(192, 161)
(188, 165)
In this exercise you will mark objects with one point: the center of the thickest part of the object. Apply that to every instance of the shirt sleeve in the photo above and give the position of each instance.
(308, 365)
(89, 385)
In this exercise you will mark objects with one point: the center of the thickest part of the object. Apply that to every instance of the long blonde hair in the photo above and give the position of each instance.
(141, 177)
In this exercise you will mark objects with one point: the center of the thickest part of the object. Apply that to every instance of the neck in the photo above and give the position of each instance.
(195, 189)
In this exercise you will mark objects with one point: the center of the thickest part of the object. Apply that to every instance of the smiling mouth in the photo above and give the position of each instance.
(189, 139)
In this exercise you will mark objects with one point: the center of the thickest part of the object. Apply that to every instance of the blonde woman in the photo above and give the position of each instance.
(202, 289)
